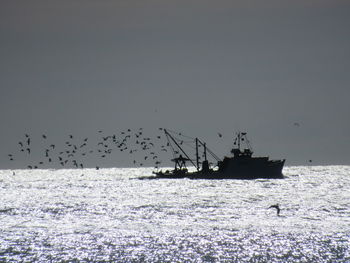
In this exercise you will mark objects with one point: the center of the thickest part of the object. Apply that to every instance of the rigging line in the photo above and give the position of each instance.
(179, 147)
(248, 143)
(180, 139)
(171, 146)
(213, 155)
(181, 134)
(210, 151)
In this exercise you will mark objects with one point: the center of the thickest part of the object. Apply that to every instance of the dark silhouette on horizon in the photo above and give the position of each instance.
(277, 207)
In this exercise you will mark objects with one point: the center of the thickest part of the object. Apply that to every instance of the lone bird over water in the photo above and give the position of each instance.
(277, 208)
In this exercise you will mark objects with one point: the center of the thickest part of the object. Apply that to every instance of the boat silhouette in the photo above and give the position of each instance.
(240, 165)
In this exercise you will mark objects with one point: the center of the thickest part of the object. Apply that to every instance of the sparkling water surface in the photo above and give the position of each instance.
(111, 215)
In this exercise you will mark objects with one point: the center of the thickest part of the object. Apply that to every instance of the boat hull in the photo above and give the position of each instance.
(273, 170)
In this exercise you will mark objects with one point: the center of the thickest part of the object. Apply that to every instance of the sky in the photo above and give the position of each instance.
(278, 70)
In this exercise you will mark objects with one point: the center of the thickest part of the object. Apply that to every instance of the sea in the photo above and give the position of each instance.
(120, 215)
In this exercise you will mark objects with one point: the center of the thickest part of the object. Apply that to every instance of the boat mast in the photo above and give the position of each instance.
(208, 150)
(171, 137)
(197, 157)
(239, 141)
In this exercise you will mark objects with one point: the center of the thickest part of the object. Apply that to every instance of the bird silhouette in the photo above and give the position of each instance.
(277, 208)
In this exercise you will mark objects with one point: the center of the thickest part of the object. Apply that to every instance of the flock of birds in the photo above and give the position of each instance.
(71, 155)
(74, 151)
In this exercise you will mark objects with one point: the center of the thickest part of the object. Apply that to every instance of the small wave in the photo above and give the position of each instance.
(311, 218)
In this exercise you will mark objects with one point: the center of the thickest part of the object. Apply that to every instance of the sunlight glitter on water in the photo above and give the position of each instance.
(111, 215)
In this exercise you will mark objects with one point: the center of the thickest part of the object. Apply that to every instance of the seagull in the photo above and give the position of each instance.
(277, 208)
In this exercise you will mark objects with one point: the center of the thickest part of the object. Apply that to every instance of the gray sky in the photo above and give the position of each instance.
(200, 67)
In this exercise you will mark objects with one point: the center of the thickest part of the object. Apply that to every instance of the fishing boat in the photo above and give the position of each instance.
(241, 164)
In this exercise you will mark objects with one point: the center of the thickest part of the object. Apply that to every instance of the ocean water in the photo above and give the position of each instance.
(110, 215)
